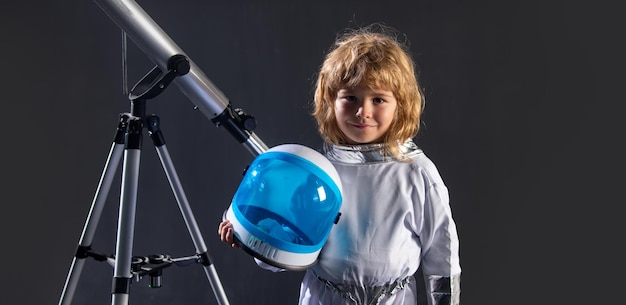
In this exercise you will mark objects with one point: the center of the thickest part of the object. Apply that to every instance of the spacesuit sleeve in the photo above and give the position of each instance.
(440, 248)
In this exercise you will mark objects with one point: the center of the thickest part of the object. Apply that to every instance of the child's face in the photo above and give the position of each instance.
(364, 114)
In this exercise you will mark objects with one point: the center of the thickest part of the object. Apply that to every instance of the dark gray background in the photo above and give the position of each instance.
(522, 118)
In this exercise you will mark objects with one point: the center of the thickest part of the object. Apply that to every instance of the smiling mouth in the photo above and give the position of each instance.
(360, 126)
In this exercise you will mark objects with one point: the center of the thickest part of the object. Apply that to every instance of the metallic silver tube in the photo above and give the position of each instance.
(159, 47)
(255, 145)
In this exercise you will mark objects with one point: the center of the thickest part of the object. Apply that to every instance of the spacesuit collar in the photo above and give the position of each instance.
(368, 153)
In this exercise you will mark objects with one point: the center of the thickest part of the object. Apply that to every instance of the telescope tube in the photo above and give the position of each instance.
(159, 47)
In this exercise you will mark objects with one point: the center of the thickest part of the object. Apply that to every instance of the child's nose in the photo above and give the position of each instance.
(364, 111)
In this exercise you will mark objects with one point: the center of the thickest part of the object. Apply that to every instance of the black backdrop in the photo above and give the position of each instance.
(522, 119)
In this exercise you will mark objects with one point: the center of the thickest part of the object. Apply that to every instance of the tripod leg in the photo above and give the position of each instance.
(84, 245)
(183, 204)
(126, 222)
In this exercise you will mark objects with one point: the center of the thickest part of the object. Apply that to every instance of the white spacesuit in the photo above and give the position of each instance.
(395, 216)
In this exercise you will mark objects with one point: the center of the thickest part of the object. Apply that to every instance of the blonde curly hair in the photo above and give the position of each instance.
(375, 57)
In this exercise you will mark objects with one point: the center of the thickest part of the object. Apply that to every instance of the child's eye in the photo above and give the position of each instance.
(350, 98)
(378, 100)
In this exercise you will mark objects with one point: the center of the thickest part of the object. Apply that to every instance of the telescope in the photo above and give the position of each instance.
(282, 212)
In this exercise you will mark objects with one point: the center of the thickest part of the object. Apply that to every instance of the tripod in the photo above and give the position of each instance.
(127, 143)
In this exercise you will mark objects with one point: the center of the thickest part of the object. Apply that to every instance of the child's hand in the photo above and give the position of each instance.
(226, 233)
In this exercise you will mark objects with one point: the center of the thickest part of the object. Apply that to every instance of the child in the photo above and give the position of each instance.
(395, 214)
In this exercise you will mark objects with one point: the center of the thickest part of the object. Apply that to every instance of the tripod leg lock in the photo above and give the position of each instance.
(121, 285)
